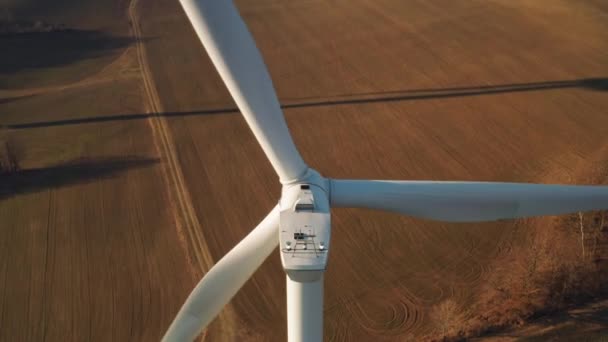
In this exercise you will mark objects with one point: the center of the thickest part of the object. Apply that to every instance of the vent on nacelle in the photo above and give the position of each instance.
(305, 207)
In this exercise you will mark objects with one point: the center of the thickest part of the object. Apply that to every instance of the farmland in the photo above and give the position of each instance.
(87, 238)
(442, 90)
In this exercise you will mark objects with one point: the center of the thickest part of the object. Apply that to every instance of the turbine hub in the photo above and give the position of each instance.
(305, 227)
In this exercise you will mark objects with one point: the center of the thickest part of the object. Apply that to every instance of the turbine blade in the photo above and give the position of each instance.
(224, 279)
(467, 201)
(239, 63)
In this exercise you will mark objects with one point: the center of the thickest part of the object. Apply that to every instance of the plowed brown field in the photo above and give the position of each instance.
(88, 243)
(444, 90)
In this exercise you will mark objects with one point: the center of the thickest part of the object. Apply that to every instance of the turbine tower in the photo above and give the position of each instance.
(301, 222)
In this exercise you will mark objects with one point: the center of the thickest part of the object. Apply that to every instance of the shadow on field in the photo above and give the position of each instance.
(30, 50)
(74, 172)
(11, 99)
(594, 84)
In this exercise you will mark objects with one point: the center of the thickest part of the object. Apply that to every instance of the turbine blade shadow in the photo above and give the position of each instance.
(592, 84)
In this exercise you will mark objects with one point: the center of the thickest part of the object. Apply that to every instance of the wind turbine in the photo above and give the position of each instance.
(300, 222)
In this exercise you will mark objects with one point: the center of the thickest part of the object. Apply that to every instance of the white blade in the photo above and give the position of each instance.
(239, 63)
(467, 201)
(224, 279)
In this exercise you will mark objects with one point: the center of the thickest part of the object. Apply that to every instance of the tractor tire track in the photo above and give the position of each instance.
(188, 226)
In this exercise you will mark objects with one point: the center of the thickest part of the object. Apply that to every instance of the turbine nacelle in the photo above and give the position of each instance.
(305, 227)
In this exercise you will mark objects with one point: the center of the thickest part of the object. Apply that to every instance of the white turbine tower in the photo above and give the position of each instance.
(300, 223)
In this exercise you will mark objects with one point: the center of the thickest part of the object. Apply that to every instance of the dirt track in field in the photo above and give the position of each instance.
(187, 222)
(482, 90)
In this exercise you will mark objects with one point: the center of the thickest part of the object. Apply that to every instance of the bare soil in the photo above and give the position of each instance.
(479, 90)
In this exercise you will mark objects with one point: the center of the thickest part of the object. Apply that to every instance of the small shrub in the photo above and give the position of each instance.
(9, 157)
